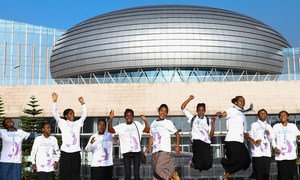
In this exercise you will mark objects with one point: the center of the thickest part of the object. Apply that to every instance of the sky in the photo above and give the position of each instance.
(282, 15)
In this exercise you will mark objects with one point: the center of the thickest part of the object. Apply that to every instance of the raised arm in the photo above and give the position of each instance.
(221, 114)
(147, 128)
(111, 117)
(83, 109)
(54, 110)
(186, 102)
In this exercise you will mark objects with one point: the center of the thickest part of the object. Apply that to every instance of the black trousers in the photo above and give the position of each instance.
(237, 157)
(261, 167)
(45, 175)
(128, 157)
(287, 169)
(69, 166)
(202, 155)
(102, 173)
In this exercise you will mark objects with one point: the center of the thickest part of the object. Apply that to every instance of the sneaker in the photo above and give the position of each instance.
(175, 176)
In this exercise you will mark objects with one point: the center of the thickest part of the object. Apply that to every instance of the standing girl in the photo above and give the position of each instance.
(160, 140)
(70, 161)
(101, 145)
(285, 146)
(130, 139)
(261, 136)
(45, 154)
(202, 132)
(11, 154)
(237, 155)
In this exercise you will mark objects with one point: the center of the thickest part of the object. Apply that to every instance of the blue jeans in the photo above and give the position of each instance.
(10, 171)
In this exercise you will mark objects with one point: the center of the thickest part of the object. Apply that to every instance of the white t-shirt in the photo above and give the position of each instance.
(200, 129)
(236, 125)
(258, 132)
(70, 130)
(129, 138)
(12, 145)
(286, 141)
(161, 130)
(101, 149)
(44, 153)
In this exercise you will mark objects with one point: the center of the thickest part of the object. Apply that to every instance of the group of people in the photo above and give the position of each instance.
(47, 157)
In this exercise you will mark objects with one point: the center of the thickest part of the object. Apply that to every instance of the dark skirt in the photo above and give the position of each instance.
(69, 166)
(102, 173)
(287, 169)
(202, 155)
(45, 175)
(237, 157)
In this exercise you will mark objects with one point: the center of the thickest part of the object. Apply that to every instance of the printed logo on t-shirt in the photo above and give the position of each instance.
(15, 150)
(157, 137)
(134, 144)
(48, 163)
(74, 140)
(105, 155)
(286, 148)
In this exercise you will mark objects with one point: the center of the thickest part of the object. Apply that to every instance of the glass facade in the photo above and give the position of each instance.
(25, 51)
(291, 62)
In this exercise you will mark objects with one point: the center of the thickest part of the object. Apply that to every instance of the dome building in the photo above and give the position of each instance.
(167, 39)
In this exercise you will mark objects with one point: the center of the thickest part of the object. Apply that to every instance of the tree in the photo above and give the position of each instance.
(1, 116)
(1, 111)
(30, 123)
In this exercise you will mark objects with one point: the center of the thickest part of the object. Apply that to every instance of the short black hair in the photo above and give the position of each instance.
(128, 111)
(43, 124)
(163, 106)
(235, 99)
(283, 112)
(101, 120)
(201, 105)
(67, 112)
(262, 110)
(3, 122)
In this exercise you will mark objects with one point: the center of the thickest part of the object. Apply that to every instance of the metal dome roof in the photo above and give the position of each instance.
(168, 36)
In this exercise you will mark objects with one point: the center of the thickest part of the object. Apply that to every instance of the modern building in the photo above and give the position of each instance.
(25, 51)
(142, 57)
(291, 65)
(187, 40)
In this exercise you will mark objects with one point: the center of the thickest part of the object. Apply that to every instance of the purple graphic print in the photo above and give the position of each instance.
(135, 144)
(48, 161)
(105, 156)
(287, 148)
(265, 146)
(14, 152)
(157, 137)
(74, 141)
